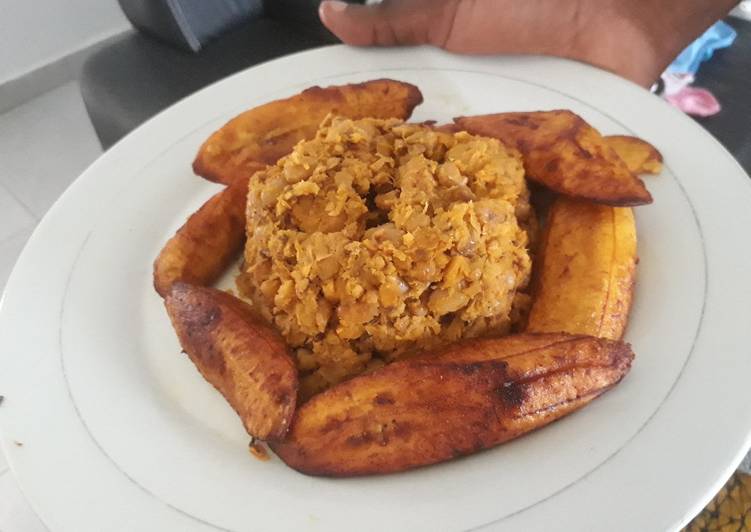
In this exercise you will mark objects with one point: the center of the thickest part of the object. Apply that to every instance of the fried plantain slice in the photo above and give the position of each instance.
(266, 133)
(564, 153)
(470, 396)
(245, 359)
(207, 242)
(586, 270)
(638, 154)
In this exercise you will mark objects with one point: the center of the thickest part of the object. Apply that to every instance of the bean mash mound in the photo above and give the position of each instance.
(377, 239)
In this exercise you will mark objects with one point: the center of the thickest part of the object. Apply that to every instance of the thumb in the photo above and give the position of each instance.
(390, 23)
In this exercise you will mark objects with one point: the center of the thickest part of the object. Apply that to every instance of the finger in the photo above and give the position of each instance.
(390, 23)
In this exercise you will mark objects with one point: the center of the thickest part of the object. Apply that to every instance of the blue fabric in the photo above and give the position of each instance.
(720, 35)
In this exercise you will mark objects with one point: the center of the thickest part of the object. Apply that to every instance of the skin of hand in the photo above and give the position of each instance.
(635, 39)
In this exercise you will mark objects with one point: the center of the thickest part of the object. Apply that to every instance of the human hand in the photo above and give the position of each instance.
(636, 39)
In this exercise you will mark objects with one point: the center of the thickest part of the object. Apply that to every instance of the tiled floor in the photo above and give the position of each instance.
(44, 145)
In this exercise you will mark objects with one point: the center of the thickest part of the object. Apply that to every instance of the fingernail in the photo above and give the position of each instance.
(335, 5)
(330, 7)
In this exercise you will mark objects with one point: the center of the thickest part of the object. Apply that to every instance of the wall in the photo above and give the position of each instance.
(37, 32)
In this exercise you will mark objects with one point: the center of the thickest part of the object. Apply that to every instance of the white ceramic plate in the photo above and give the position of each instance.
(108, 427)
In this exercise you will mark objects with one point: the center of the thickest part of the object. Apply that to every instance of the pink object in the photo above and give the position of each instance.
(675, 82)
(694, 101)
